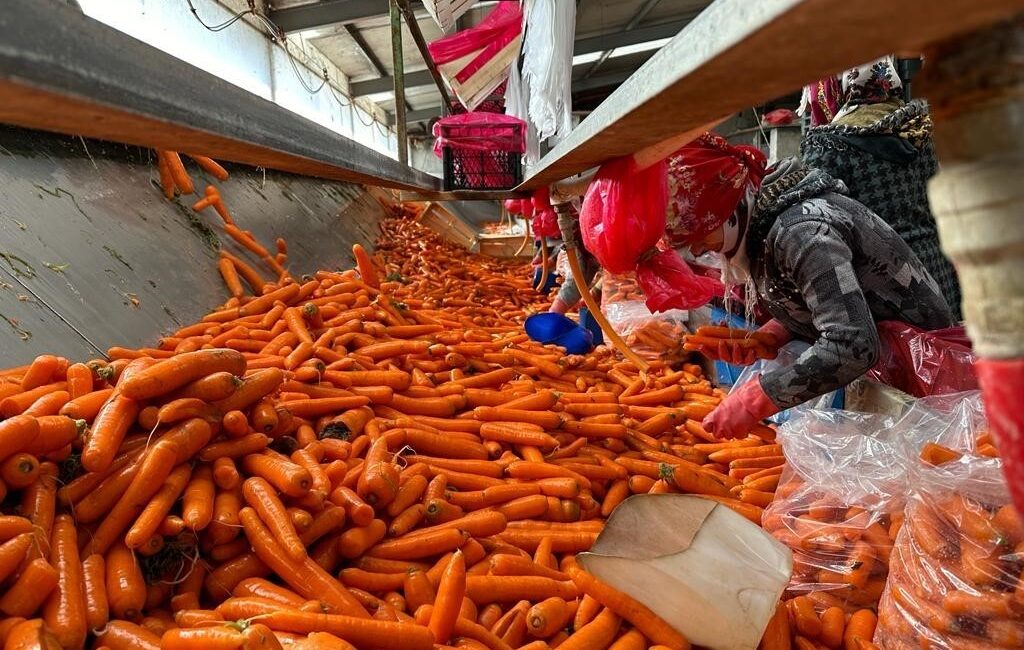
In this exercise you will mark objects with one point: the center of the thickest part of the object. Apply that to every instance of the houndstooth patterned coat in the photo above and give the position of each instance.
(829, 269)
(886, 166)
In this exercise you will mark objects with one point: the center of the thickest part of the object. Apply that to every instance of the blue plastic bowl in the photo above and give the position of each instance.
(560, 330)
(547, 327)
(576, 341)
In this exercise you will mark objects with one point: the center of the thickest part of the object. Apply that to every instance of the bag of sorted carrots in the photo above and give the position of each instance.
(840, 498)
(955, 578)
(652, 336)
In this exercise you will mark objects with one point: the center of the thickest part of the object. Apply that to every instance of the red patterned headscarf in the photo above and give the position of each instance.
(707, 179)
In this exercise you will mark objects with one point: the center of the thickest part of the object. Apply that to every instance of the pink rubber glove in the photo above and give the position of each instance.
(741, 410)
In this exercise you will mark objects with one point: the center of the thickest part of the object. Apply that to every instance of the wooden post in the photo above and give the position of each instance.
(399, 78)
(975, 85)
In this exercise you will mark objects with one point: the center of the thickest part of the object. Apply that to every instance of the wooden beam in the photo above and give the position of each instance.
(327, 12)
(62, 71)
(738, 54)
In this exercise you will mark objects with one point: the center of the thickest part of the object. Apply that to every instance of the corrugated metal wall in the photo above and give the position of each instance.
(92, 255)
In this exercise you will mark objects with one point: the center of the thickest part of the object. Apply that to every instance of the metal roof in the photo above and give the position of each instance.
(355, 35)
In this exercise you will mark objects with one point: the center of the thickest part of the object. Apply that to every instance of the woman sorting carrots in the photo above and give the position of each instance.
(824, 266)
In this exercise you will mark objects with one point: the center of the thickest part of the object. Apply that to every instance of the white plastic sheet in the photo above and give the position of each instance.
(547, 65)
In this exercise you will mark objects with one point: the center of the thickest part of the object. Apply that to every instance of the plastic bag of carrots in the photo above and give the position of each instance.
(955, 579)
(652, 336)
(840, 499)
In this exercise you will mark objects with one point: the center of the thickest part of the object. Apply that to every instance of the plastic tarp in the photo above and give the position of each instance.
(480, 132)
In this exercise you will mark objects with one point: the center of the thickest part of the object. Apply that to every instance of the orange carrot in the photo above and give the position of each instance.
(652, 626)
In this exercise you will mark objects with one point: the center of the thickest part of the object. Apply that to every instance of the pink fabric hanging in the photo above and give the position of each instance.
(476, 61)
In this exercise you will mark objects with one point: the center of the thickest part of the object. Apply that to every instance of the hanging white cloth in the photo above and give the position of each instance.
(547, 65)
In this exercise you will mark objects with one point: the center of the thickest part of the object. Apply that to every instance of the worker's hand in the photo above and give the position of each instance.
(742, 409)
(559, 306)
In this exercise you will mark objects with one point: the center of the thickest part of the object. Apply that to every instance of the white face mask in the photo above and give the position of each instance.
(732, 260)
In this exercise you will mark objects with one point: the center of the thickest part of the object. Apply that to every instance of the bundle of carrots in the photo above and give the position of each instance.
(956, 579)
(707, 339)
(840, 551)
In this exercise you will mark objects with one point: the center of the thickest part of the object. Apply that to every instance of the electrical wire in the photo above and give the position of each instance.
(224, 25)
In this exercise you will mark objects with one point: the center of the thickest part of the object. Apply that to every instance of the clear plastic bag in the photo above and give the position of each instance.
(787, 356)
(955, 577)
(652, 336)
(841, 496)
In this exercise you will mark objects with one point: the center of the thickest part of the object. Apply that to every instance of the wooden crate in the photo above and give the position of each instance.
(446, 12)
(504, 246)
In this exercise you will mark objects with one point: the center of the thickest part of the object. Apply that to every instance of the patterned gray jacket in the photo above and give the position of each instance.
(829, 269)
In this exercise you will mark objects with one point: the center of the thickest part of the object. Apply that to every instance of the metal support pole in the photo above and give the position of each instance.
(399, 77)
(421, 43)
(976, 88)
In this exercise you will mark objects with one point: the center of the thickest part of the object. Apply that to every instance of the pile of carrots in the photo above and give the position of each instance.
(376, 458)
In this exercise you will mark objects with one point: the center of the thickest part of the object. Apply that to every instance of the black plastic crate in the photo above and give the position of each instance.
(471, 169)
(481, 151)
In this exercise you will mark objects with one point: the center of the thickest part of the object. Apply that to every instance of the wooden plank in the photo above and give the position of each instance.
(462, 195)
(739, 53)
(62, 71)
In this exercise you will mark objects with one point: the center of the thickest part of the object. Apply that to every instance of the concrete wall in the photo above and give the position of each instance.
(92, 255)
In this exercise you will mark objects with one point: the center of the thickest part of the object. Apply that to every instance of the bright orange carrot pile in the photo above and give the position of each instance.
(373, 458)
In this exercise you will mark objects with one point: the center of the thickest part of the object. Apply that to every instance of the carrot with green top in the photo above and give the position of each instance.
(112, 422)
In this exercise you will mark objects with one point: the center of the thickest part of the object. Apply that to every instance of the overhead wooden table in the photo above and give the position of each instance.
(740, 53)
(63, 71)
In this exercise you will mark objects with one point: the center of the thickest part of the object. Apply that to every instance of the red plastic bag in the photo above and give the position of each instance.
(526, 208)
(512, 206)
(498, 29)
(622, 221)
(779, 117)
(925, 363)
(545, 221)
